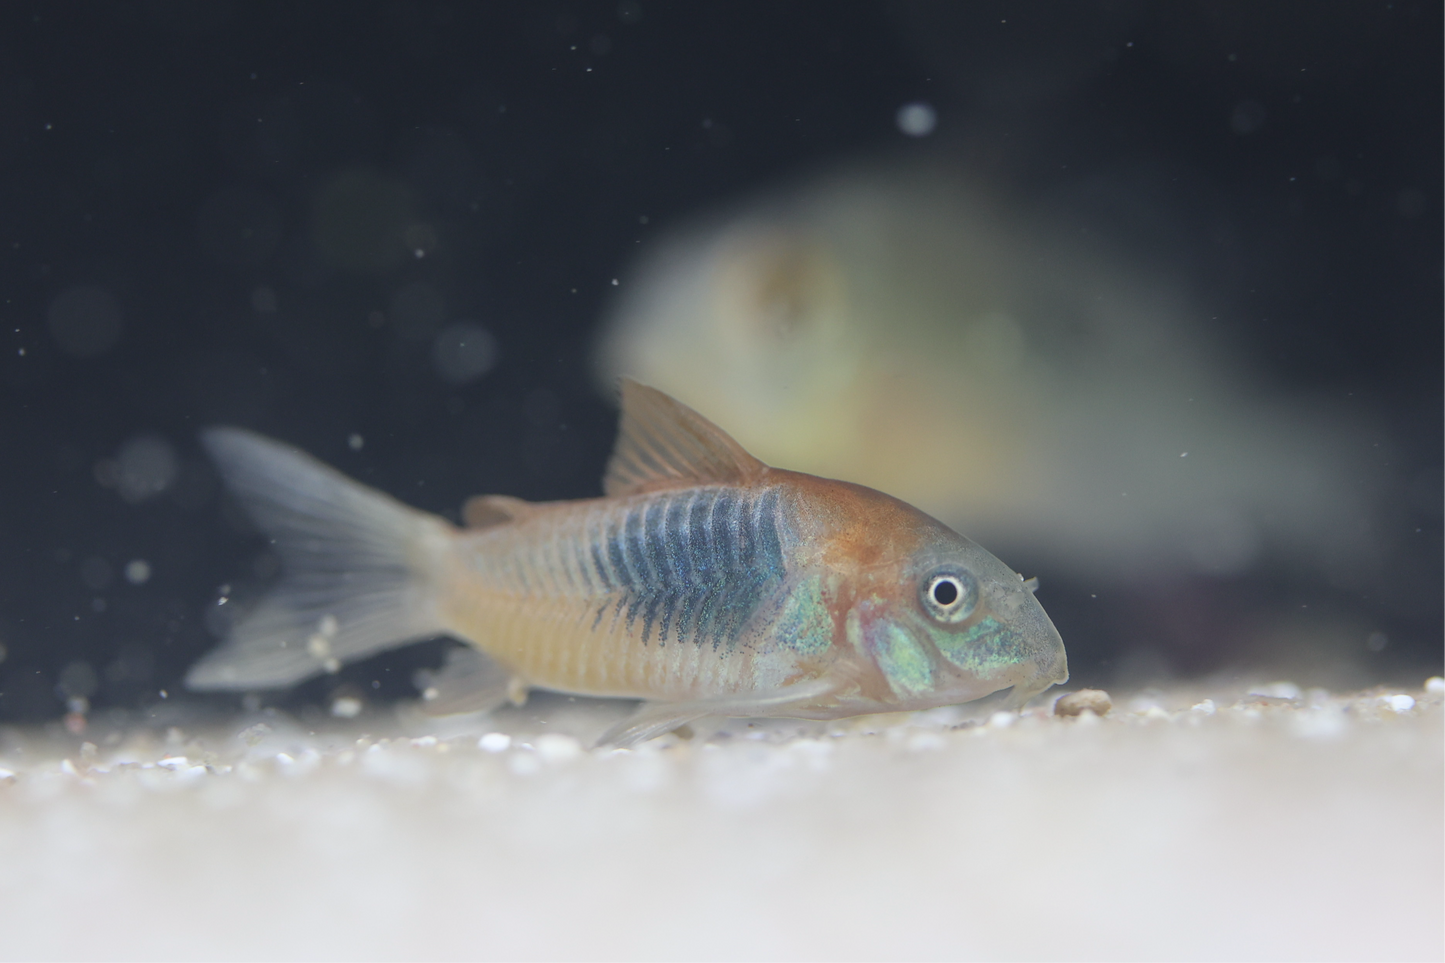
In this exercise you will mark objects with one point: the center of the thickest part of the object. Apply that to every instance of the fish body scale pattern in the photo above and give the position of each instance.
(642, 595)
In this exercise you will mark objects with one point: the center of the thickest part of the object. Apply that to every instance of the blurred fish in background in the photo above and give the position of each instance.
(888, 325)
(892, 323)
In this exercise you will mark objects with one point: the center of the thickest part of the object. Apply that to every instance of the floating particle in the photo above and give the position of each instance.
(137, 571)
(1434, 685)
(463, 352)
(917, 119)
(1096, 701)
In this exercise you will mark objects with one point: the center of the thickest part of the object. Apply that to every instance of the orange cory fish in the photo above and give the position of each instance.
(704, 582)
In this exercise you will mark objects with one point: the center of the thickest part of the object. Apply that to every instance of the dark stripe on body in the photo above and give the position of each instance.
(693, 566)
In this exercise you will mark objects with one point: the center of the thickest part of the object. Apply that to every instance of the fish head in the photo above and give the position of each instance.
(947, 622)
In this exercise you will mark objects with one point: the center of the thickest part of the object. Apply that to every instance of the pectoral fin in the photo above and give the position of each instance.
(653, 719)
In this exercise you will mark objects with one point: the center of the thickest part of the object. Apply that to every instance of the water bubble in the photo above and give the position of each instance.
(463, 352)
(145, 467)
(917, 119)
(84, 321)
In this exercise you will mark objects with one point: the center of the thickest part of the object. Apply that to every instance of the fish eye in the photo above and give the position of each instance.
(950, 596)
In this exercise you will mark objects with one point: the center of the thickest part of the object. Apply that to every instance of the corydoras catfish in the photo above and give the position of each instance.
(705, 582)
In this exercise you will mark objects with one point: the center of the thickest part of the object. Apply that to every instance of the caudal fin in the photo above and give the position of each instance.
(358, 568)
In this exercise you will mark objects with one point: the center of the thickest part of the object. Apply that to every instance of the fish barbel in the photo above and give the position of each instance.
(704, 582)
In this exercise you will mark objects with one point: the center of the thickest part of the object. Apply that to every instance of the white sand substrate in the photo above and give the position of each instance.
(1190, 823)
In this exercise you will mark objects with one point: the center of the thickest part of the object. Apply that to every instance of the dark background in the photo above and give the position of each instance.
(242, 193)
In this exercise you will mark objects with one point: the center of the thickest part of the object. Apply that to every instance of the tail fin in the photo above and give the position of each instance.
(358, 568)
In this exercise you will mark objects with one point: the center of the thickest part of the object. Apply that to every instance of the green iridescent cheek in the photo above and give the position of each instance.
(904, 662)
(805, 625)
(983, 648)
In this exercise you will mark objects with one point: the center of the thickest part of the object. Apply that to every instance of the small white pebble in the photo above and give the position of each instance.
(1084, 701)
(495, 742)
(1154, 712)
(1435, 685)
(6, 774)
(1002, 720)
(176, 762)
(1399, 703)
(252, 735)
(1205, 708)
(68, 767)
(424, 742)
(1277, 690)
(1319, 724)
(555, 747)
(927, 741)
(816, 751)
(346, 707)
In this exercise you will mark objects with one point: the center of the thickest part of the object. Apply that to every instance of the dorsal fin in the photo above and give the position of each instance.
(484, 511)
(661, 443)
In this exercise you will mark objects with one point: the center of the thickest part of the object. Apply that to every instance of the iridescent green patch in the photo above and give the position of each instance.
(904, 662)
(982, 648)
(806, 625)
